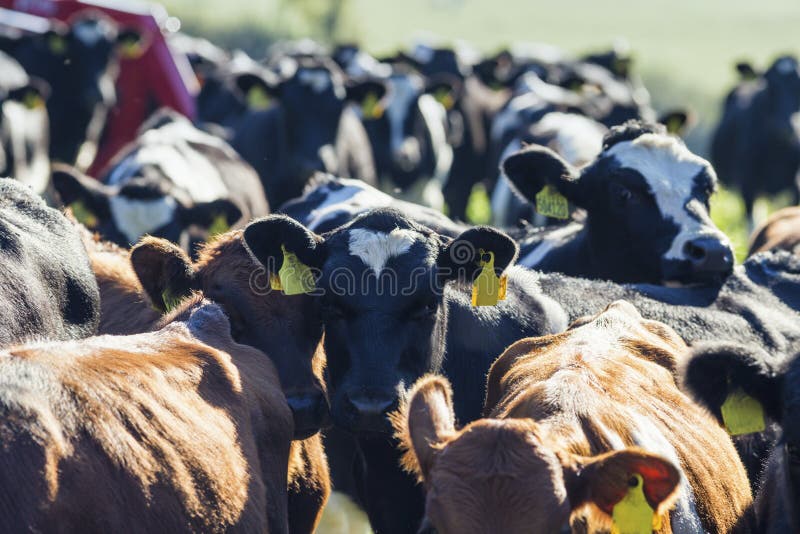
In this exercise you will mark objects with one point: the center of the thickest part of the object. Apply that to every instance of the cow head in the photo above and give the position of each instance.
(783, 93)
(381, 282)
(506, 475)
(286, 328)
(647, 202)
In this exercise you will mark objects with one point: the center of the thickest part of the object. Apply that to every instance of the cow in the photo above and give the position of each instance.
(287, 328)
(181, 429)
(781, 231)
(572, 422)
(712, 373)
(79, 62)
(646, 198)
(48, 289)
(391, 316)
(174, 181)
(289, 121)
(779, 270)
(756, 146)
(24, 128)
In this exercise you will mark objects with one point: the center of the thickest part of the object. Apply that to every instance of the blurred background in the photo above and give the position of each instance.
(684, 50)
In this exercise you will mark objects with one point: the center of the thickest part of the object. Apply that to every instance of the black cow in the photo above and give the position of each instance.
(48, 288)
(174, 181)
(24, 130)
(715, 370)
(290, 124)
(646, 198)
(390, 316)
(756, 146)
(79, 63)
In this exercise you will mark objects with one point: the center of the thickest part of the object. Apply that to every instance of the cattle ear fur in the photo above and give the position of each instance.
(536, 166)
(257, 88)
(74, 186)
(712, 370)
(460, 258)
(677, 121)
(604, 480)
(265, 237)
(164, 270)
(746, 70)
(425, 420)
(205, 214)
(358, 91)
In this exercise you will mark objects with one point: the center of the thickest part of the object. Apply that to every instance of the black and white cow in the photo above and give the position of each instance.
(24, 130)
(79, 64)
(174, 181)
(48, 287)
(646, 198)
(392, 313)
(756, 146)
(290, 123)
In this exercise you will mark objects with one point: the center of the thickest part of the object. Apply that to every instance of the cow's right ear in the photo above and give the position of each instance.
(267, 238)
(424, 422)
(461, 259)
(74, 186)
(257, 89)
(536, 166)
(746, 71)
(164, 270)
(713, 370)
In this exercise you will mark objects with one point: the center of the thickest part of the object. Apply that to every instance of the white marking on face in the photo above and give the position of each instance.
(553, 240)
(376, 248)
(327, 154)
(135, 218)
(435, 117)
(403, 90)
(356, 197)
(669, 168)
(89, 33)
(577, 139)
(317, 79)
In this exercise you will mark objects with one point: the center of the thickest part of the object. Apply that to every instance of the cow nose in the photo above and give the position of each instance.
(408, 155)
(309, 411)
(369, 411)
(709, 255)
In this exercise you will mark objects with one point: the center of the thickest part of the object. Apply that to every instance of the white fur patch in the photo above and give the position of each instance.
(553, 239)
(435, 117)
(402, 92)
(376, 248)
(135, 218)
(318, 80)
(356, 197)
(669, 169)
(578, 139)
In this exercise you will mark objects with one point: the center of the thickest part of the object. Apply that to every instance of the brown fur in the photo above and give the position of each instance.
(781, 231)
(559, 408)
(159, 431)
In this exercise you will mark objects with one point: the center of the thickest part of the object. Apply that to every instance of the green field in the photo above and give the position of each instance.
(684, 49)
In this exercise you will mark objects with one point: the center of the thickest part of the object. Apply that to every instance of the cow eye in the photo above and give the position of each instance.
(424, 310)
(620, 194)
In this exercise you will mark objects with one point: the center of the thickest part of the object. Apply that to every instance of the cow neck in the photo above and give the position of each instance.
(603, 260)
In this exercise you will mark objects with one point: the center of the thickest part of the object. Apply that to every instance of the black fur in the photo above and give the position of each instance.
(630, 130)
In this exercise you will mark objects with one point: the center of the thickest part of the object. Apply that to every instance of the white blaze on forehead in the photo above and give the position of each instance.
(669, 169)
(577, 139)
(403, 91)
(88, 32)
(135, 218)
(376, 248)
(318, 79)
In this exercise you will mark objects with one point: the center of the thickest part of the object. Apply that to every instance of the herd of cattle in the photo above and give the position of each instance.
(269, 303)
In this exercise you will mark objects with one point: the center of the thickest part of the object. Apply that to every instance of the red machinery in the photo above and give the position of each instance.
(151, 79)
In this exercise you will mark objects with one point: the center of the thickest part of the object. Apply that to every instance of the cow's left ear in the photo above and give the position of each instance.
(362, 90)
(164, 270)
(536, 166)
(676, 121)
(445, 89)
(130, 44)
(258, 89)
(207, 214)
(74, 186)
(31, 95)
(461, 258)
(267, 238)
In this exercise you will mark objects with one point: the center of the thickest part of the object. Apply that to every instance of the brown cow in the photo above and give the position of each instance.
(781, 231)
(571, 418)
(177, 430)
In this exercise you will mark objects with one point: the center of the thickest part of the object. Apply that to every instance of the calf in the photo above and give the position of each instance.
(181, 429)
(780, 232)
(48, 290)
(545, 459)
(756, 146)
(717, 369)
(174, 181)
(646, 198)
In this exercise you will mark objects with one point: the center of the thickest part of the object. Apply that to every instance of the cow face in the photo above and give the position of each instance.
(647, 199)
(783, 93)
(476, 479)
(286, 328)
(381, 284)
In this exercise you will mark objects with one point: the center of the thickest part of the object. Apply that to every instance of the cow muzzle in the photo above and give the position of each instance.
(709, 256)
(310, 413)
(367, 412)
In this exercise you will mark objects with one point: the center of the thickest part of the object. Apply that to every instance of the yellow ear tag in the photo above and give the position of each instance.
(444, 97)
(742, 414)
(551, 203)
(371, 107)
(633, 515)
(487, 288)
(57, 45)
(295, 277)
(219, 225)
(257, 98)
(131, 49)
(32, 100)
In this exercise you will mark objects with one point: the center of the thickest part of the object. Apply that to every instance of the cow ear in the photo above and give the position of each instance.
(266, 238)
(206, 214)
(31, 95)
(461, 258)
(164, 270)
(424, 421)
(360, 91)
(74, 186)
(130, 44)
(676, 121)
(746, 71)
(713, 370)
(535, 166)
(606, 479)
(257, 90)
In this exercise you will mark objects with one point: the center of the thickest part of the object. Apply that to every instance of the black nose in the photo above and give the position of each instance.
(368, 411)
(309, 411)
(709, 255)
